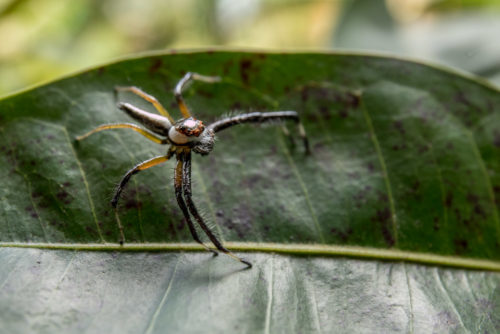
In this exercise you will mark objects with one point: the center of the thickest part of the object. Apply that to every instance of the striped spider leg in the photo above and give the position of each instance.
(184, 136)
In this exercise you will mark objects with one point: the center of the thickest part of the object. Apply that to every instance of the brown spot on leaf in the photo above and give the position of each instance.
(399, 127)
(448, 201)
(156, 64)
(245, 69)
(461, 246)
(383, 217)
(64, 196)
(343, 235)
(496, 139)
(436, 224)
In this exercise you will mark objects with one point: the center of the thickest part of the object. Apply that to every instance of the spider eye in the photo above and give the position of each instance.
(190, 127)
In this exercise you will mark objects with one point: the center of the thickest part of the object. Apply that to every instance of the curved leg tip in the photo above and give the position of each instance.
(249, 265)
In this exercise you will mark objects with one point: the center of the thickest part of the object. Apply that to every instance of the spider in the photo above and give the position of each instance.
(184, 136)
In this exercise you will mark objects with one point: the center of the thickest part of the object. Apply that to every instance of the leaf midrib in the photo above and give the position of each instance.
(292, 249)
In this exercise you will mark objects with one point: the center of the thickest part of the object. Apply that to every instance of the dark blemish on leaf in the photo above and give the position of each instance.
(371, 167)
(181, 224)
(170, 230)
(43, 204)
(252, 181)
(383, 217)
(64, 196)
(461, 246)
(312, 117)
(353, 175)
(66, 184)
(415, 186)
(156, 65)
(423, 148)
(383, 197)
(496, 189)
(226, 67)
(343, 235)
(496, 139)
(101, 70)
(31, 210)
(205, 93)
(245, 68)
(352, 100)
(478, 210)
(50, 137)
(89, 230)
(304, 94)
(399, 127)
(235, 106)
(133, 203)
(473, 199)
(325, 112)
(436, 224)
(343, 113)
(33, 163)
(448, 201)
(397, 147)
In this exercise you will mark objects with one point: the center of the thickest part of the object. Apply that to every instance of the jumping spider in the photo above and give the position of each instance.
(184, 135)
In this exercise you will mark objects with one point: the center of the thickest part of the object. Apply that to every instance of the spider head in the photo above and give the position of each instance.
(190, 127)
(192, 132)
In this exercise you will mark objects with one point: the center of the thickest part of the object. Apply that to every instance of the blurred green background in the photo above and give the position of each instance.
(43, 39)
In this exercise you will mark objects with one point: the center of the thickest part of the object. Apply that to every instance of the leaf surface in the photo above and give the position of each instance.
(405, 160)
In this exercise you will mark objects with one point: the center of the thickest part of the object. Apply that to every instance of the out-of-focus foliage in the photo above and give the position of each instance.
(462, 34)
(43, 39)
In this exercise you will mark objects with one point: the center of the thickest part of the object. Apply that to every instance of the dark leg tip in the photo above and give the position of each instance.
(249, 265)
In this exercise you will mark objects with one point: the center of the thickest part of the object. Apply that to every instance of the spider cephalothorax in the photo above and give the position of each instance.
(186, 135)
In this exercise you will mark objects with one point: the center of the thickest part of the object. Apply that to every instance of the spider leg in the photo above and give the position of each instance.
(142, 166)
(156, 123)
(148, 134)
(261, 117)
(182, 83)
(151, 99)
(288, 135)
(178, 181)
(186, 159)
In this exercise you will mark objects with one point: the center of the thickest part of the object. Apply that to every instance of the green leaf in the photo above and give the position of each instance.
(405, 167)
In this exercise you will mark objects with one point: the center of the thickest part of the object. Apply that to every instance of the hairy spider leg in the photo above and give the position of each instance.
(139, 167)
(178, 183)
(151, 99)
(186, 175)
(260, 117)
(183, 82)
(148, 134)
